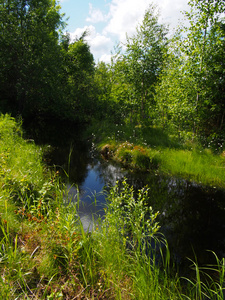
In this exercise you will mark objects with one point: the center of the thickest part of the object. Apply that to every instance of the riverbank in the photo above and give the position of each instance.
(152, 149)
(46, 254)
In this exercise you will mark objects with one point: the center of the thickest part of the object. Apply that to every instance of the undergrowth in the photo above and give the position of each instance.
(46, 254)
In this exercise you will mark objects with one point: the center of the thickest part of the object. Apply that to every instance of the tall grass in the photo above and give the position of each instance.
(31, 202)
(129, 247)
(46, 254)
(127, 258)
(209, 281)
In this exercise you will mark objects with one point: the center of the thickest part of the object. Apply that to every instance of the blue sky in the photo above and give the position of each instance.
(108, 21)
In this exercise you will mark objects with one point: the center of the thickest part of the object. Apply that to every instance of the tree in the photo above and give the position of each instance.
(144, 57)
(190, 94)
(80, 75)
(175, 93)
(30, 56)
(215, 80)
(205, 38)
(103, 86)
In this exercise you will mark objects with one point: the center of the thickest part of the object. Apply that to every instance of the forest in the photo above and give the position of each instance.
(175, 82)
(158, 105)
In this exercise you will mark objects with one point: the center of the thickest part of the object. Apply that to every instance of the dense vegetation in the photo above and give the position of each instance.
(159, 104)
(42, 74)
(171, 81)
(45, 253)
(176, 83)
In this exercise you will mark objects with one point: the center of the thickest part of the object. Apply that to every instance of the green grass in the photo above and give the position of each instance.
(200, 166)
(146, 148)
(46, 254)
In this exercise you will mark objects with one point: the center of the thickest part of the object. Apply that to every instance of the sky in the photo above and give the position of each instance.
(108, 21)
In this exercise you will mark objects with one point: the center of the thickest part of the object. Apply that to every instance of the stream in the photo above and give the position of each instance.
(192, 217)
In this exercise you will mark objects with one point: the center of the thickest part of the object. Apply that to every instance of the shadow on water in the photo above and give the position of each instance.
(192, 217)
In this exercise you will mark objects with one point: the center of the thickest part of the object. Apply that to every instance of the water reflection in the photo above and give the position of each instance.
(192, 218)
(99, 176)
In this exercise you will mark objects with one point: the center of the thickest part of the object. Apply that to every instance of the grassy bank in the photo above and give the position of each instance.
(148, 148)
(45, 253)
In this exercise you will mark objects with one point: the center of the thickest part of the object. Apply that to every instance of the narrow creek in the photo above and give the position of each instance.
(192, 217)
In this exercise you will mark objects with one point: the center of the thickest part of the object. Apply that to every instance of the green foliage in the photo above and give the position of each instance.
(137, 157)
(30, 56)
(134, 72)
(42, 74)
(127, 248)
(189, 96)
(209, 280)
(176, 94)
(79, 68)
(144, 58)
(149, 148)
(198, 165)
(130, 216)
(109, 106)
(46, 254)
(176, 84)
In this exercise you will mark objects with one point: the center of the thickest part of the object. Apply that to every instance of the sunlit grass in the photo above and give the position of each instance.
(200, 166)
(150, 148)
(126, 250)
(46, 254)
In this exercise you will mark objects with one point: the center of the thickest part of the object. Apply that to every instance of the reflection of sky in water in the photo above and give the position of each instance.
(91, 196)
(93, 183)
(91, 192)
(190, 218)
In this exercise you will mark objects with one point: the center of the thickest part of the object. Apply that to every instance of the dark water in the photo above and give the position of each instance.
(192, 217)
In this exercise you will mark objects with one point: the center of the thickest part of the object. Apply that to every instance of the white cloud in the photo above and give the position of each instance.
(99, 44)
(171, 11)
(79, 31)
(127, 14)
(95, 15)
(106, 58)
(123, 18)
